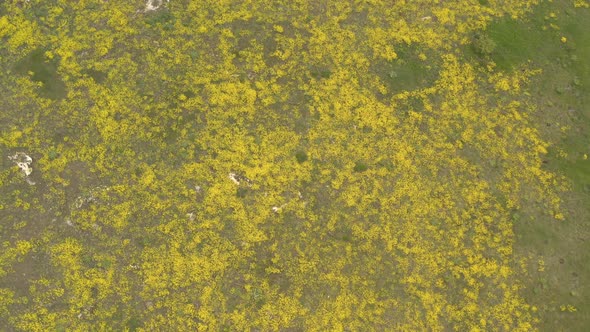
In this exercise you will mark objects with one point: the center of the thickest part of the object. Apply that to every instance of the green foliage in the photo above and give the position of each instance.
(301, 156)
(411, 70)
(52, 154)
(42, 70)
(360, 166)
(163, 19)
(98, 76)
(483, 44)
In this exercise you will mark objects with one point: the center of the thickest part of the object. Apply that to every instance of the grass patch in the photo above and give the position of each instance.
(161, 18)
(301, 157)
(360, 167)
(98, 76)
(415, 68)
(561, 92)
(44, 71)
(515, 42)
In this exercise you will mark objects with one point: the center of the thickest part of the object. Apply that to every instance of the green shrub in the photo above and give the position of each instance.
(483, 44)
(360, 167)
(301, 157)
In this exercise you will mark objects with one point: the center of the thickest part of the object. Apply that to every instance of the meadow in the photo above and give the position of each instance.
(238, 165)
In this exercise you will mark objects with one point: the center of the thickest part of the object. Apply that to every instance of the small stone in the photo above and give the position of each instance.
(23, 161)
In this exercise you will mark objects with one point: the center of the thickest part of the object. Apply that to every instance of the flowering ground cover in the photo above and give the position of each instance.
(294, 165)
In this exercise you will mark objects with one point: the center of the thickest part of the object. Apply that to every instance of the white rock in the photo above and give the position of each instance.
(153, 4)
(277, 209)
(23, 161)
(233, 177)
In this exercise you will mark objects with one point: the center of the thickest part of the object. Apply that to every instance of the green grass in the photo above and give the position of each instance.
(43, 71)
(301, 156)
(561, 92)
(517, 42)
(408, 72)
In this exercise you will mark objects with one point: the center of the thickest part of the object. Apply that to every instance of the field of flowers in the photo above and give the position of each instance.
(292, 165)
